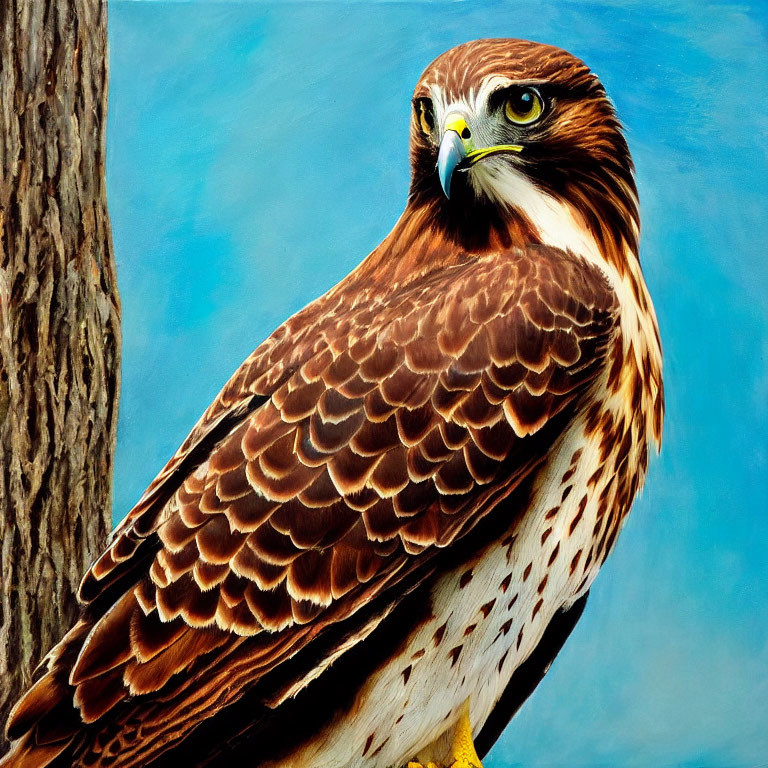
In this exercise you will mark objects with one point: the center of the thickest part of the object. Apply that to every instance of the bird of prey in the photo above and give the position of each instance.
(375, 540)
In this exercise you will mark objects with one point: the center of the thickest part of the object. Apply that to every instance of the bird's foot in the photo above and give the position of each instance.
(463, 751)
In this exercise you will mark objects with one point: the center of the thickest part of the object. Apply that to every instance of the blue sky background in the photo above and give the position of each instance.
(257, 151)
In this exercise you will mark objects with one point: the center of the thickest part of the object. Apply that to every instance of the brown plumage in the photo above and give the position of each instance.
(401, 428)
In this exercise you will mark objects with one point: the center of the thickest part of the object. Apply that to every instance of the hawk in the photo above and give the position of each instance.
(376, 539)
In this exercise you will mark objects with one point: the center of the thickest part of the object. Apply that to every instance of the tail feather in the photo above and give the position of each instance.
(27, 753)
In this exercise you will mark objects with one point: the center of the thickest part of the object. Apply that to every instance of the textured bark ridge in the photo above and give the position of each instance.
(59, 323)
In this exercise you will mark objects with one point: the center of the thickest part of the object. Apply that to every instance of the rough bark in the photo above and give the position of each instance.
(59, 322)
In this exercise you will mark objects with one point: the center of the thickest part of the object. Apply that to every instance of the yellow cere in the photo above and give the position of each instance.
(456, 122)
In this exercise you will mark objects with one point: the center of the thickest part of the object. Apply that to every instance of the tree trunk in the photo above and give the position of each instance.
(59, 323)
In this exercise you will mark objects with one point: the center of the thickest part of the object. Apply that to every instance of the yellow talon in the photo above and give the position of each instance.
(464, 753)
(463, 749)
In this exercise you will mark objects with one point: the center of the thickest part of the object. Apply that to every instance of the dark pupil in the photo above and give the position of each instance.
(524, 102)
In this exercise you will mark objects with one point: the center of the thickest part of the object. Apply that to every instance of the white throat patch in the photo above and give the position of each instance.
(554, 221)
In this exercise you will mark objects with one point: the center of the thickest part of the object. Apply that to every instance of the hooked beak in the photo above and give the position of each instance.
(453, 149)
(457, 152)
(451, 153)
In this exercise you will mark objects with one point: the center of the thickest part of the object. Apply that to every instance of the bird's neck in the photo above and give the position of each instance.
(427, 237)
(434, 233)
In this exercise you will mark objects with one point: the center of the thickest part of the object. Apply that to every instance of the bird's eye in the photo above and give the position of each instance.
(524, 106)
(425, 116)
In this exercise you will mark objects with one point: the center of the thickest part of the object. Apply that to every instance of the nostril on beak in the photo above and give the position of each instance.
(456, 122)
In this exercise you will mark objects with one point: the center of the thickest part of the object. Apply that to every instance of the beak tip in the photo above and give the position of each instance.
(446, 185)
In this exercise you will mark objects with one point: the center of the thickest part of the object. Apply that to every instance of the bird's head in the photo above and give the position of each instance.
(506, 129)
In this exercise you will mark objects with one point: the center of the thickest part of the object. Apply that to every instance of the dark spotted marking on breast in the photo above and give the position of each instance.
(608, 442)
(608, 489)
(545, 535)
(624, 448)
(575, 521)
(588, 561)
(554, 554)
(368, 743)
(617, 355)
(503, 659)
(643, 459)
(583, 583)
(568, 474)
(470, 629)
(576, 456)
(527, 571)
(454, 653)
(439, 632)
(594, 477)
(542, 583)
(406, 673)
(575, 561)
(505, 627)
(551, 513)
(486, 609)
(418, 654)
(512, 602)
(568, 489)
(510, 546)
(380, 747)
(593, 417)
(519, 638)
(466, 577)
(504, 586)
(606, 541)
(537, 608)
(397, 722)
